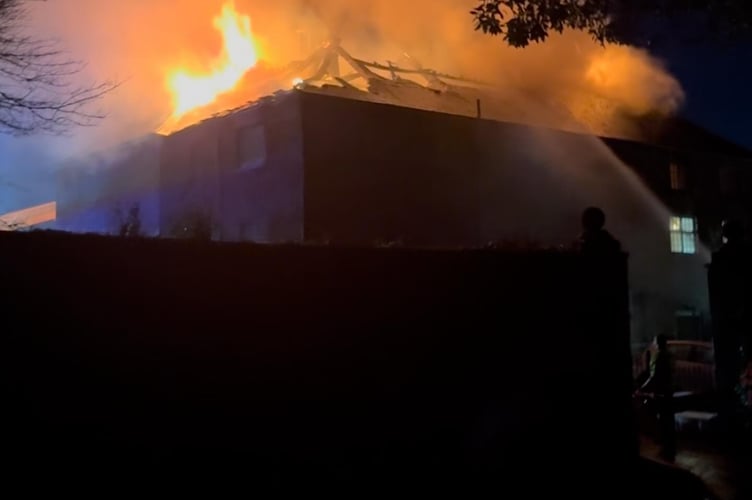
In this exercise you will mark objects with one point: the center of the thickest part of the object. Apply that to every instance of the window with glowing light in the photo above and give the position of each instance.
(251, 147)
(683, 235)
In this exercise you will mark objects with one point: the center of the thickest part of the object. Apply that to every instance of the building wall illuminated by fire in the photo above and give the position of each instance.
(305, 166)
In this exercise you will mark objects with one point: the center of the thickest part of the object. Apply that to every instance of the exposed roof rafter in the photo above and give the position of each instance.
(327, 60)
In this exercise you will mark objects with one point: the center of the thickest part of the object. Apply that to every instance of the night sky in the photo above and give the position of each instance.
(718, 82)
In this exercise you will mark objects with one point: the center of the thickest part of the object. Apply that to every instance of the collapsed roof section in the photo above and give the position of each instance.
(326, 63)
(332, 70)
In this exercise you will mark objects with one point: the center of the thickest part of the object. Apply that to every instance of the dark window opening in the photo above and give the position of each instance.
(678, 177)
(688, 325)
(728, 180)
(251, 147)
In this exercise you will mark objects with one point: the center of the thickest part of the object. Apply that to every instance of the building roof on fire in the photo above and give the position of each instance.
(334, 72)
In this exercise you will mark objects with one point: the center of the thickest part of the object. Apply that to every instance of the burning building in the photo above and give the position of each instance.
(364, 153)
(307, 166)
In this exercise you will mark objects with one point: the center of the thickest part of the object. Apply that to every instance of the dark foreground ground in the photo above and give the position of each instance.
(318, 369)
(724, 465)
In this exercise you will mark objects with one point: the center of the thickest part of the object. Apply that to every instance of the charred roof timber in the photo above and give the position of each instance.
(326, 62)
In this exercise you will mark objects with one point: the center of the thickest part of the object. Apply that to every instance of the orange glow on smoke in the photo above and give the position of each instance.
(611, 67)
(600, 72)
(630, 77)
(190, 90)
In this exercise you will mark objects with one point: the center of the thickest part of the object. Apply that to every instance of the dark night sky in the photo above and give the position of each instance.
(716, 75)
(718, 83)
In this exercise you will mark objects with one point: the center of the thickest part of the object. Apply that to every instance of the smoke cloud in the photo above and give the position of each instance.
(140, 41)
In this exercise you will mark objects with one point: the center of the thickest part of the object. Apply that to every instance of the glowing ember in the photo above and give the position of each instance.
(239, 54)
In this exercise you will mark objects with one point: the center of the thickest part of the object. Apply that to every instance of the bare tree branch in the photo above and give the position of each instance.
(37, 93)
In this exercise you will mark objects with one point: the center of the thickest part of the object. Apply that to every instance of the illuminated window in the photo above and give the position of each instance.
(683, 235)
(678, 178)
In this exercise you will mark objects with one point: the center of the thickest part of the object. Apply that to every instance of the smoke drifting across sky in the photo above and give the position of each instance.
(139, 41)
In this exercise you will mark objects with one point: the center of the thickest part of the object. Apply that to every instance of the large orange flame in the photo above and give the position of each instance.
(239, 54)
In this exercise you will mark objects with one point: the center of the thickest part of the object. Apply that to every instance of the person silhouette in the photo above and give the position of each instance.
(595, 240)
(733, 340)
(660, 386)
(733, 240)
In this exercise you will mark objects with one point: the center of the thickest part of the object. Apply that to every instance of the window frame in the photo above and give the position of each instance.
(683, 235)
(677, 176)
